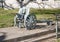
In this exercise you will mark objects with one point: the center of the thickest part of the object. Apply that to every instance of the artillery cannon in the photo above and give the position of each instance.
(24, 18)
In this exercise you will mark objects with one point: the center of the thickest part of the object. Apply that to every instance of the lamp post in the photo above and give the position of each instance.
(56, 29)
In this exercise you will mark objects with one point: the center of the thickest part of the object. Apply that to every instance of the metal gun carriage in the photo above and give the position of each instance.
(24, 18)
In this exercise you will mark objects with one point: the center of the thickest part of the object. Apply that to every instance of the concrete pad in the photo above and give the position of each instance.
(14, 32)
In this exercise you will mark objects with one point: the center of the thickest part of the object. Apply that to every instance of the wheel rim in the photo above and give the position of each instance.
(30, 22)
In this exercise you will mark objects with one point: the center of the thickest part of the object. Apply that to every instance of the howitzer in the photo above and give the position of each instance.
(24, 18)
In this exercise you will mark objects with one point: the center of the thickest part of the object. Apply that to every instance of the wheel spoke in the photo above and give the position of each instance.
(31, 22)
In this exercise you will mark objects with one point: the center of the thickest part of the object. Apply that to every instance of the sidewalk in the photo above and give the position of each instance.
(12, 32)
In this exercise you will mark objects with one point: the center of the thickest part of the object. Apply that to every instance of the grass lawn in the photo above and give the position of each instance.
(7, 16)
(45, 16)
(59, 39)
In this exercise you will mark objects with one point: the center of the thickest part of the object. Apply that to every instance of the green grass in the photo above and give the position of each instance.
(45, 11)
(7, 16)
(45, 16)
(59, 40)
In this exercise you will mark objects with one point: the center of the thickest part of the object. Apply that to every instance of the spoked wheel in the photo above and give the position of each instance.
(18, 21)
(31, 22)
(18, 24)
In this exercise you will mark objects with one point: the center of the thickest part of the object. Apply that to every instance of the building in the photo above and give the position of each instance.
(39, 4)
